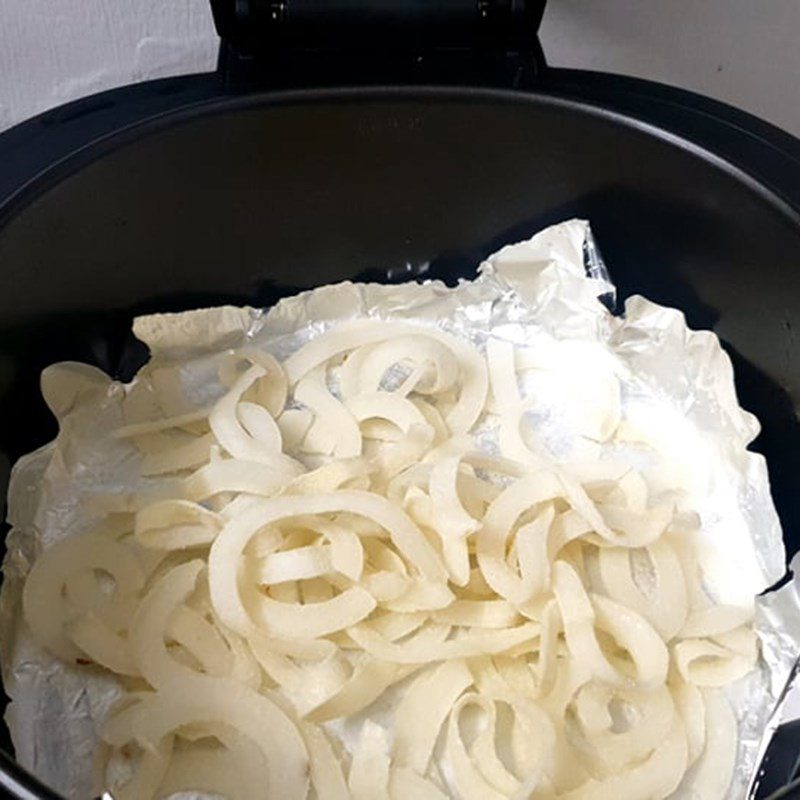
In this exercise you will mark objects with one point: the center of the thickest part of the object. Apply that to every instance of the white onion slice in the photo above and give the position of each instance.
(366, 373)
(176, 524)
(712, 774)
(423, 710)
(251, 436)
(369, 680)
(478, 614)
(175, 459)
(236, 772)
(151, 622)
(666, 605)
(42, 605)
(369, 772)
(348, 336)
(179, 421)
(334, 430)
(656, 777)
(429, 643)
(705, 663)
(101, 645)
(405, 783)
(229, 544)
(691, 706)
(313, 620)
(219, 700)
(270, 390)
(326, 769)
(388, 406)
(487, 626)
(233, 475)
(492, 539)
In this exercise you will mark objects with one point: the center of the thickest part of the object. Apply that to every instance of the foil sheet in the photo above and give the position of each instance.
(678, 399)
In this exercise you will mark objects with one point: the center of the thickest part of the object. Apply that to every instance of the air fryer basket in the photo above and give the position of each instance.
(181, 193)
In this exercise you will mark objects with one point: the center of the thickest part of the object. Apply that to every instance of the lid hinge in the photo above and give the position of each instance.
(341, 42)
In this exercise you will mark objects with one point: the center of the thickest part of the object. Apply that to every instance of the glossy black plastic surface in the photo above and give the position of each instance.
(199, 198)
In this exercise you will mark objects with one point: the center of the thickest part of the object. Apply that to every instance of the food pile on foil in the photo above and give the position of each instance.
(489, 541)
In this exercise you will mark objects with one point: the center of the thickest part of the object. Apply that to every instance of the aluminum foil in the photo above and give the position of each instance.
(682, 426)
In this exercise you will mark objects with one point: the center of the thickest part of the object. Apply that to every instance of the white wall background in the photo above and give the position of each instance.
(744, 52)
(52, 51)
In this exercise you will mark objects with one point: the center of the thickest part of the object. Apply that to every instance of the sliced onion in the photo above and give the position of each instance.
(348, 336)
(503, 374)
(208, 701)
(176, 524)
(553, 603)
(691, 706)
(492, 539)
(177, 458)
(578, 615)
(334, 430)
(450, 519)
(326, 769)
(179, 421)
(369, 772)
(712, 774)
(294, 424)
(369, 680)
(101, 645)
(148, 774)
(388, 406)
(270, 390)
(650, 722)
(705, 663)
(666, 605)
(151, 622)
(233, 475)
(236, 772)
(477, 770)
(252, 435)
(423, 710)
(478, 614)
(429, 643)
(633, 632)
(299, 564)
(313, 620)
(344, 337)
(229, 544)
(715, 620)
(424, 352)
(42, 605)
(656, 777)
(404, 783)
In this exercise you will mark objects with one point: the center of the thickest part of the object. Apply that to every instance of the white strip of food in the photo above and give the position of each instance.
(328, 533)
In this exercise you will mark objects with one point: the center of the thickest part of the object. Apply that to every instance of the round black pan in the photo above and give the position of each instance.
(176, 194)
